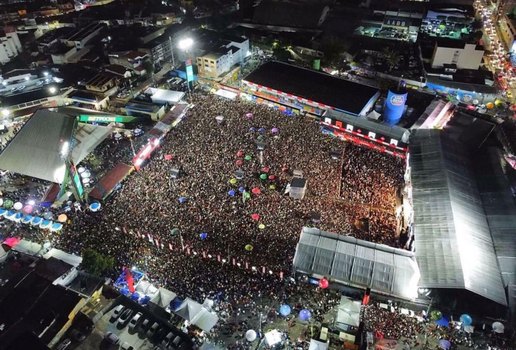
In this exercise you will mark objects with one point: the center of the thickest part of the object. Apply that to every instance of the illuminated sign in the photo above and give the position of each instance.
(189, 71)
(397, 100)
(86, 118)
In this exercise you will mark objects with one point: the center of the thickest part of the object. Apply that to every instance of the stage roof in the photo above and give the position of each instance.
(454, 247)
(319, 87)
(358, 263)
(35, 149)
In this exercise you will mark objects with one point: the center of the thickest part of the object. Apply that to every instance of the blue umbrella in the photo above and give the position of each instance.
(18, 216)
(135, 296)
(241, 189)
(203, 235)
(443, 322)
(10, 213)
(285, 310)
(36, 221)
(56, 226)
(444, 344)
(251, 129)
(231, 193)
(3, 211)
(95, 206)
(26, 219)
(261, 130)
(304, 315)
(182, 200)
(125, 291)
(466, 319)
(45, 224)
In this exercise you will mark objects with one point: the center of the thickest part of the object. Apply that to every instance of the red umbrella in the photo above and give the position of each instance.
(239, 162)
(323, 283)
(255, 217)
(256, 190)
(272, 177)
(240, 154)
(265, 169)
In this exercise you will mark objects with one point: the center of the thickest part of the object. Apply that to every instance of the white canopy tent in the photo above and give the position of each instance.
(205, 320)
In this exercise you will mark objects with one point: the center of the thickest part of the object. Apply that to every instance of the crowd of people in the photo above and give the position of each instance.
(207, 210)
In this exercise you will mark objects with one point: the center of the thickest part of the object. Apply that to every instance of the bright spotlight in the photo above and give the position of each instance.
(52, 89)
(185, 44)
(5, 112)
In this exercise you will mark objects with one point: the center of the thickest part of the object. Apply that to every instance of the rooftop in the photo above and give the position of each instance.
(278, 13)
(319, 87)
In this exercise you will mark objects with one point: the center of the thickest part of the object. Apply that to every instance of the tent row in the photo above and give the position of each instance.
(18, 216)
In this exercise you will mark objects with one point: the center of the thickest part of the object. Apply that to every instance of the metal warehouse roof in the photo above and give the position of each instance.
(454, 248)
(358, 263)
(316, 86)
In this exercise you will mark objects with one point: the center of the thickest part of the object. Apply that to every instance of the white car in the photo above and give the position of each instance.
(134, 322)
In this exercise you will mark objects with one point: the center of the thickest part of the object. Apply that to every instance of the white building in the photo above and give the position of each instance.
(458, 53)
(220, 61)
(10, 46)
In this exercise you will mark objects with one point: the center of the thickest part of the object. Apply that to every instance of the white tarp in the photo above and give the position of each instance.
(165, 96)
(348, 312)
(225, 93)
(188, 309)
(317, 345)
(68, 258)
(205, 320)
(163, 297)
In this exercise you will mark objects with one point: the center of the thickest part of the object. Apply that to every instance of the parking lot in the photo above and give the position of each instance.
(132, 327)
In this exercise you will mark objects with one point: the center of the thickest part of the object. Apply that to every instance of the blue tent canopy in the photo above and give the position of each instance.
(442, 322)
(36, 220)
(26, 219)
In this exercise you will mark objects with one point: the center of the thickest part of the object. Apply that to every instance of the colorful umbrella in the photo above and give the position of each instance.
(56, 227)
(272, 186)
(248, 247)
(250, 335)
(62, 218)
(203, 235)
(233, 181)
(18, 206)
(285, 310)
(251, 129)
(261, 130)
(466, 319)
(247, 195)
(36, 221)
(239, 162)
(444, 344)
(28, 209)
(323, 283)
(240, 154)
(265, 169)
(8, 204)
(231, 193)
(272, 177)
(261, 226)
(304, 315)
(27, 219)
(249, 115)
(45, 224)
(256, 190)
(241, 189)
(248, 157)
(263, 177)
(95, 206)
(255, 217)
(181, 199)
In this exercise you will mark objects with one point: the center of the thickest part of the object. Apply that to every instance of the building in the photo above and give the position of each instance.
(457, 52)
(284, 86)
(80, 37)
(130, 59)
(10, 46)
(101, 82)
(144, 110)
(283, 15)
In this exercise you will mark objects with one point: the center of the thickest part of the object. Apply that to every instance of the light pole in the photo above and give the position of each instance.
(185, 45)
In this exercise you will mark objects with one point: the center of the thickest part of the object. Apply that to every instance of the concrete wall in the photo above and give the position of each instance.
(467, 58)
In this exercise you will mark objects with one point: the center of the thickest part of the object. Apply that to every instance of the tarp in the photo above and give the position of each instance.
(188, 309)
(205, 320)
(28, 247)
(68, 258)
(348, 312)
(163, 297)
(110, 180)
(317, 345)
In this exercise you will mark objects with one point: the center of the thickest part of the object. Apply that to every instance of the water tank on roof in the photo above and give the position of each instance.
(395, 104)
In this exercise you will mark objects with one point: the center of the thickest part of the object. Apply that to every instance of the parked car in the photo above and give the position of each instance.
(111, 338)
(152, 330)
(134, 322)
(117, 311)
(77, 335)
(64, 344)
(168, 338)
(125, 317)
(145, 325)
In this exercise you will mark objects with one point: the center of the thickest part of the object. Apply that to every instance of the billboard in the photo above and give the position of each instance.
(189, 71)
(394, 107)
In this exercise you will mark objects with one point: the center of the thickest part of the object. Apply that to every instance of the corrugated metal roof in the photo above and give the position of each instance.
(35, 150)
(359, 263)
(454, 247)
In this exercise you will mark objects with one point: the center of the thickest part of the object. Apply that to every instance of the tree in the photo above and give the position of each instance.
(96, 263)
(332, 48)
(391, 57)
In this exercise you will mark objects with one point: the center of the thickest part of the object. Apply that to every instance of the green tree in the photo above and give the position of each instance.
(391, 57)
(96, 263)
(332, 48)
(281, 54)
